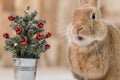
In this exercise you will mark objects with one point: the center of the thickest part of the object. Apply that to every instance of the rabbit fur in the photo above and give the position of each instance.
(94, 44)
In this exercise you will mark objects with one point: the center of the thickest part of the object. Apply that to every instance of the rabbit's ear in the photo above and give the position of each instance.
(82, 2)
(95, 3)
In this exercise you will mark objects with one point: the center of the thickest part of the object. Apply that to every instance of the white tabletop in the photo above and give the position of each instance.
(42, 74)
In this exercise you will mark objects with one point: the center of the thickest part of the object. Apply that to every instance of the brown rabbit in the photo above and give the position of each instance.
(94, 45)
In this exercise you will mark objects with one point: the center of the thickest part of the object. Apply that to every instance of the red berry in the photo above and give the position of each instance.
(11, 18)
(40, 24)
(39, 36)
(47, 46)
(48, 34)
(18, 30)
(24, 41)
(5, 35)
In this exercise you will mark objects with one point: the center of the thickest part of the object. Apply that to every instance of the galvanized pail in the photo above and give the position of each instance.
(25, 69)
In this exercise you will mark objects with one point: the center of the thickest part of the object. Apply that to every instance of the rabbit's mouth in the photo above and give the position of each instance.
(80, 38)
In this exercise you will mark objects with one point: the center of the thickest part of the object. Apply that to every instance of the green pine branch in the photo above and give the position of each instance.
(29, 25)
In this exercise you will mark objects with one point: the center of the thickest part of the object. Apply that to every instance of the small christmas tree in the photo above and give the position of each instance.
(30, 39)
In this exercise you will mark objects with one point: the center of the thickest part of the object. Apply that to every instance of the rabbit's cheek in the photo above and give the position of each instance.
(96, 27)
(86, 32)
(74, 31)
(101, 32)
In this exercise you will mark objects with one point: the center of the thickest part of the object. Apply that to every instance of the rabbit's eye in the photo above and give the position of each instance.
(93, 16)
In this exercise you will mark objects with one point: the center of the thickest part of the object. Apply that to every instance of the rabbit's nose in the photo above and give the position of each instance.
(80, 30)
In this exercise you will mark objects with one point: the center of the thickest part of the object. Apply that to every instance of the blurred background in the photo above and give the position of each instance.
(58, 13)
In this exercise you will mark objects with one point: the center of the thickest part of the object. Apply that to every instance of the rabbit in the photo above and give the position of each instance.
(93, 44)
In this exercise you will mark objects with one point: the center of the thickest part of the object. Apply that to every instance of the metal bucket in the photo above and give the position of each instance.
(25, 69)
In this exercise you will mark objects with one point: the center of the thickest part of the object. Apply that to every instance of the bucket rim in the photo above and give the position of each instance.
(25, 59)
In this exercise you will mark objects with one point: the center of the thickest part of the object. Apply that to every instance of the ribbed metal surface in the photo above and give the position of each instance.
(24, 68)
